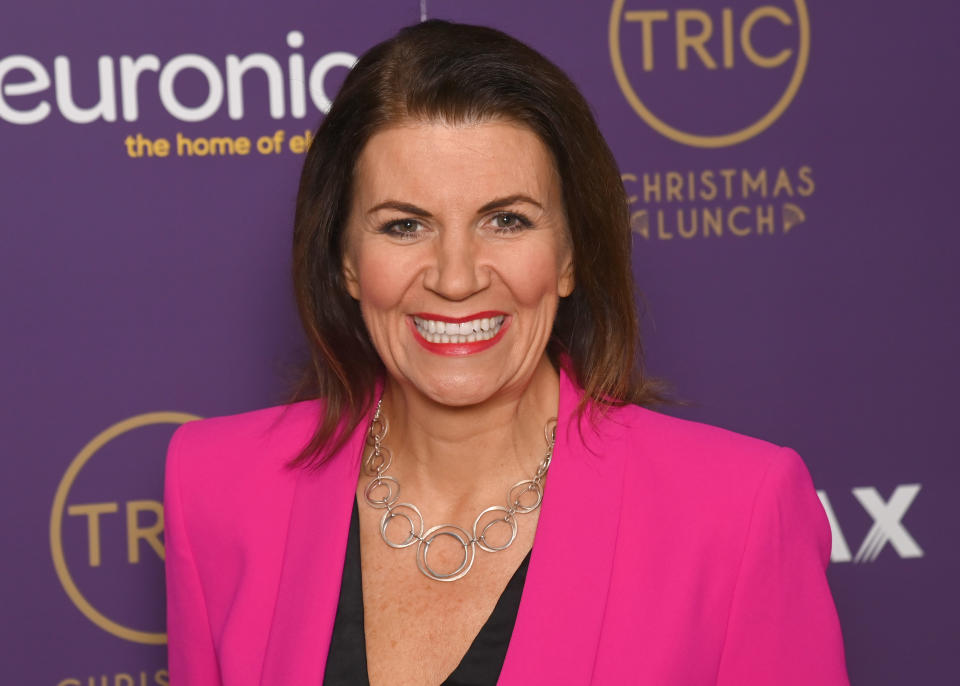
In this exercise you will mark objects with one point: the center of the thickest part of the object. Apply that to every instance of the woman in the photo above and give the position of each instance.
(462, 269)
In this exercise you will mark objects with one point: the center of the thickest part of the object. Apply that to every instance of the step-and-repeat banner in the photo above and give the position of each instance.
(792, 172)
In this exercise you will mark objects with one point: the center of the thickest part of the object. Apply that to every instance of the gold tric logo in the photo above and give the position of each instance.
(767, 37)
(107, 557)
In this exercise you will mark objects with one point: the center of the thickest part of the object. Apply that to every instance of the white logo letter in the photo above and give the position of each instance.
(40, 80)
(318, 75)
(886, 522)
(214, 85)
(106, 108)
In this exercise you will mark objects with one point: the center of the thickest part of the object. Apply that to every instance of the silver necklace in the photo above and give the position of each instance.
(522, 498)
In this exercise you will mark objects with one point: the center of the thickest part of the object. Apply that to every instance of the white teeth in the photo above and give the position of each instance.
(482, 329)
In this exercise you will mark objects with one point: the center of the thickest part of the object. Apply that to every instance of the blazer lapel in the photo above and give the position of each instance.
(558, 625)
(309, 589)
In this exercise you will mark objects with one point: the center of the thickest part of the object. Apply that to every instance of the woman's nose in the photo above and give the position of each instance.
(456, 272)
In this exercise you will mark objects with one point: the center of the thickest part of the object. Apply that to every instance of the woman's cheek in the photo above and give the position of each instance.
(383, 278)
(533, 279)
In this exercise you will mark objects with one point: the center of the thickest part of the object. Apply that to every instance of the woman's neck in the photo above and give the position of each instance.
(452, 460)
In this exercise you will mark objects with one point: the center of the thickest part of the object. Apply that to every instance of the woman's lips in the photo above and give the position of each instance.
(458, 335)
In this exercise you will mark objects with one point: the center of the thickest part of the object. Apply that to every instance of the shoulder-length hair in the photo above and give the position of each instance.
(457, 73)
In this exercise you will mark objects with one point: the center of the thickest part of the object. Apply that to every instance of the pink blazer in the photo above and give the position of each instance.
(667, 553)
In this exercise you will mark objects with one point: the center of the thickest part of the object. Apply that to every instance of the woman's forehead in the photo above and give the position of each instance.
(437, 161)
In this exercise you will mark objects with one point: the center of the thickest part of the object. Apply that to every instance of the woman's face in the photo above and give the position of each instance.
(457, 250)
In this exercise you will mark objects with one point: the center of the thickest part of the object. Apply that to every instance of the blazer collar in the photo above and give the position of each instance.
(309, 591)
(557, 632)
(561, 610)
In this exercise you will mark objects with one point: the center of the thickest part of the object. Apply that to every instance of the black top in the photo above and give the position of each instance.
(480, 666)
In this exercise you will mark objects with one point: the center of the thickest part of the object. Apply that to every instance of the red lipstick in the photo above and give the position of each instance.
(459, 349)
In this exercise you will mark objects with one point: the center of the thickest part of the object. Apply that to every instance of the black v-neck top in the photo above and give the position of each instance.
(480, 666)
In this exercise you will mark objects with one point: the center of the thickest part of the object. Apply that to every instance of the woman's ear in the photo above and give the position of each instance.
(566, 282)
(349, 272)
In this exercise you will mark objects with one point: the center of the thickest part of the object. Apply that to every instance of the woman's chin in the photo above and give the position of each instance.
(458, 397)
(461, 391)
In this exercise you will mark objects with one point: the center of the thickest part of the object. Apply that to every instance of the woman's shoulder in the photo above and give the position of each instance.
(243, 448)
(275, 425)
(694, 461)
(715, 481)
(685, 439)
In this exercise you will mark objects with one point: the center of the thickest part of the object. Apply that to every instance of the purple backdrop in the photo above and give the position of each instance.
(793, 167)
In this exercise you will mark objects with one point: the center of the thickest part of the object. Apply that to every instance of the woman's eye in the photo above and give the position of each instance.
(403, 228)
(508, 222)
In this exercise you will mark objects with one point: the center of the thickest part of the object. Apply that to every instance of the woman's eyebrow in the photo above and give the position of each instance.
(420, 212)
(400, 207)
(509, 200)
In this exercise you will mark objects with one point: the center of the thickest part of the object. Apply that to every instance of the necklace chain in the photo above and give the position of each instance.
(383, 493)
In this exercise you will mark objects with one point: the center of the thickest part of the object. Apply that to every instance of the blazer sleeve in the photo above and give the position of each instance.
(783, 627)
(192, 660)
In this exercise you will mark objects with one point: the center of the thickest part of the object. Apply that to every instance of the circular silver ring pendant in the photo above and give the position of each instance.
(405, 511)
(392, 495)
(455, 532)
(506, 519)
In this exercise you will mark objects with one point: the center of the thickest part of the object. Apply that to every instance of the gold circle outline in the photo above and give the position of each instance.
(724, 140)
(56, 521)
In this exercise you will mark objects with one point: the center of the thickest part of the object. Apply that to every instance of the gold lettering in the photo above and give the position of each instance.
(184, 145)
(750, 183)
(646, 19)
(712, 222)
(222, 145)
(783, 184)
(674, 187)
(746, 42)
(640, 223)
(706, 178)
(685, 41)
(297, 144)
(92, 512)
(727, 38)
(139, 146)
(684, 231)
(651, 188)
(728, 175)
(806, 176)
(732, 224)
(136, 533)
(662, 233)
(765, 219)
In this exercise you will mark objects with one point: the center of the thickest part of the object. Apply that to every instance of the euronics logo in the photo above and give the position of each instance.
(25, 84)
(887, 525)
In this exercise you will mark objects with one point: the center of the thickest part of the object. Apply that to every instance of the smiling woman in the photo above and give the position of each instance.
(466, 487)
(494, 113)
(446, 231)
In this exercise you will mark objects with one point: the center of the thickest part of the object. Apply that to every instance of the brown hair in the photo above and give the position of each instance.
(459, 74)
